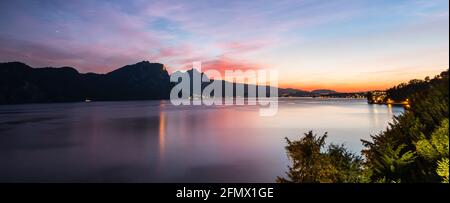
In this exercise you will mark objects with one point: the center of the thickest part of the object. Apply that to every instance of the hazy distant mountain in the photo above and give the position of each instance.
(289, 92)
(19, 83)
(323, 92)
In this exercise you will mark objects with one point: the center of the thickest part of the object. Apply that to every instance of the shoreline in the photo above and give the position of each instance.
(135, 100)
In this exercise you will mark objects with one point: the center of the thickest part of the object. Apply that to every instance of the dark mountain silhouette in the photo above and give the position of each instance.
(282, 92)
(19, 83)
(224, 83)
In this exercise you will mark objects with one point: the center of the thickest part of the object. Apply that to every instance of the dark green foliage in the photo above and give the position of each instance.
(442, 169)
(403, 91)
(347, 166)
(408, 90)
(435, 150)
(392, 163)
(436, 147)
(392, 155)
(311, 165)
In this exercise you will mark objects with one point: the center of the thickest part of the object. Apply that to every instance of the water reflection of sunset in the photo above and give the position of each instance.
(162, 131)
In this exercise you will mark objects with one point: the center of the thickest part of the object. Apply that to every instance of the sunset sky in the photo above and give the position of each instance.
(345, 45)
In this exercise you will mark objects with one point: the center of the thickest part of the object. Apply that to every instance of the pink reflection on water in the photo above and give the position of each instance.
(162, 130)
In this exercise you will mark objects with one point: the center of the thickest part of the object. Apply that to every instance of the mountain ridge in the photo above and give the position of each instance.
(21, 83)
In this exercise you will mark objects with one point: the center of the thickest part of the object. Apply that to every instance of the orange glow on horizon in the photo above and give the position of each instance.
(341, 88)
(349, 87)
(346, 83)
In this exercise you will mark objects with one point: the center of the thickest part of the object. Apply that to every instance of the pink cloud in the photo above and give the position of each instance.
(223, 64)
(241, 47)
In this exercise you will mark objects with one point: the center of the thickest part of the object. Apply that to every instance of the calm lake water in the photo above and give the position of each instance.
(154, 141)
